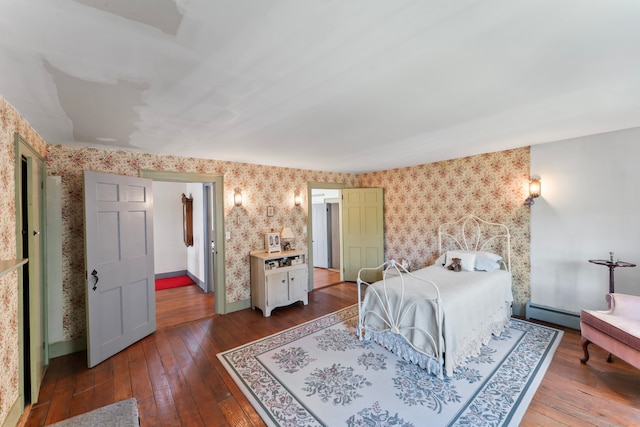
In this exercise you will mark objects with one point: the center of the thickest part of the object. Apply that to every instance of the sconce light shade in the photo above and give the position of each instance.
(534, 187)
(237, 198)
(297, 200)
(286, 233)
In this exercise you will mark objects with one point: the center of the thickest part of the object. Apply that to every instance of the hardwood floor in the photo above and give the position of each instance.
(324, 277)
(177, 306)
(178, 381)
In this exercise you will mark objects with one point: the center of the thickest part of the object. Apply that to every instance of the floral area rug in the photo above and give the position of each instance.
(319, 373)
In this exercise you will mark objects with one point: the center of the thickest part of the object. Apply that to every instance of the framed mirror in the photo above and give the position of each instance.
(187, 220)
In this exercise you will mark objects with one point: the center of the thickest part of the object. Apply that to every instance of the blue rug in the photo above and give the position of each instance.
(319, 373)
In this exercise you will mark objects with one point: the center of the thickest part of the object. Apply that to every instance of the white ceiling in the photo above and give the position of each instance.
(333, 85)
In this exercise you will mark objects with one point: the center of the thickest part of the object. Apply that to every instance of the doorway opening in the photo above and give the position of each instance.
(32, 307)
(26, 330)
(326, 240)
(192, 263)
(216, 276)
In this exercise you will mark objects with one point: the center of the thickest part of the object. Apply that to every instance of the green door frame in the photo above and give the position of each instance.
(220, 301)
(318, 186)
(36, 320)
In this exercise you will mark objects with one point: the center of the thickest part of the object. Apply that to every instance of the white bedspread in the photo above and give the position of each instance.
(475, 305)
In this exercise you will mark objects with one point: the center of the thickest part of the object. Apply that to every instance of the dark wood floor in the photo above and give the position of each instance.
(181, 305)
(178, 381)
(324, 277)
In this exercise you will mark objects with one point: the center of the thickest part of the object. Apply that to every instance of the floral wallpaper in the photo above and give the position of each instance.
(261, 186)
(418, 199)
(10, 123)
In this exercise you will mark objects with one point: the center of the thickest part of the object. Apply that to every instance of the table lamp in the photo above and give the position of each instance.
(285, 235)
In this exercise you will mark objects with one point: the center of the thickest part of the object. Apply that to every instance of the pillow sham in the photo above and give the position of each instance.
(467, 259)
(487, 261)
(484, 261)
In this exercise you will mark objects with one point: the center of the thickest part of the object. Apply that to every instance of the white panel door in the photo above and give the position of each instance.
(363, 230)
(320, 242)
(119, 257)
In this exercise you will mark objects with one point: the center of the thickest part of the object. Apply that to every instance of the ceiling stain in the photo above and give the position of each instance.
(99, 112)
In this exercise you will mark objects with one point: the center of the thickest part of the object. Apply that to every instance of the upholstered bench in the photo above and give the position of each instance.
(616, 330)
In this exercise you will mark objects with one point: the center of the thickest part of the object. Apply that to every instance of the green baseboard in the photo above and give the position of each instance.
(13, 417)
(63, 348)
(238, 305)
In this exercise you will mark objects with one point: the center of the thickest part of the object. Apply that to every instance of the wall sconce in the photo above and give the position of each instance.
(285, 235)
(237, 198)
(534, 190)
(297, 199)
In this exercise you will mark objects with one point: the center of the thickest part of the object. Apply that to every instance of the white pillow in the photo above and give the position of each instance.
(487, 261)
(467, 259)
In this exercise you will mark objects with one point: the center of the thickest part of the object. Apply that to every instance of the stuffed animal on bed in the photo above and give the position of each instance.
(456, 264)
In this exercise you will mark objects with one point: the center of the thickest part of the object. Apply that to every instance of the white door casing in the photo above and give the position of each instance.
(120, 293)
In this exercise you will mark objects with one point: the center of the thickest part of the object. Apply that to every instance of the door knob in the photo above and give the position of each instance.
(35, 233)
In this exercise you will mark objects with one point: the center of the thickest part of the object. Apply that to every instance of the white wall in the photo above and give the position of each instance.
(196, 255)
(170, 253)
(589, 207)
(321, 195)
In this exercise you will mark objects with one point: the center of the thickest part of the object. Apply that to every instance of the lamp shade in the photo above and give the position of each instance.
(286, 233)
(534, 186)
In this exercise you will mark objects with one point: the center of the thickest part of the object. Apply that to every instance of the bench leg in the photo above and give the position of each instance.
(585, 342)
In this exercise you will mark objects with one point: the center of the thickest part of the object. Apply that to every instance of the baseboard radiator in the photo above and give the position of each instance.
(553, 315)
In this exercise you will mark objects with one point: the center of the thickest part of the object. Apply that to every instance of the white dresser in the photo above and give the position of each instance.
(278, 279)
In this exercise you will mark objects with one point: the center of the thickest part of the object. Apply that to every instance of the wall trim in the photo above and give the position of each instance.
(518, 310)
(197, 281)
(62, 348)
(14, 414)
(238, 305)
(553, 315)
(173, 274)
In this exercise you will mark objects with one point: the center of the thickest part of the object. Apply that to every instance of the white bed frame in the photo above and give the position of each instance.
(468, 233)
(471, 233)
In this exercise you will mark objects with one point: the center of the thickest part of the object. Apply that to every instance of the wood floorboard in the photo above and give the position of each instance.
(324, 277)
(178, 381)
(122, 388)
(184, 304)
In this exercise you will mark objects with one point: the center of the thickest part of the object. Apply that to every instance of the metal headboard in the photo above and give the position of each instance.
(475, 234)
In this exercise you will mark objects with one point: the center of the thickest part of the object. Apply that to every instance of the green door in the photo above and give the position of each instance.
(363, 230)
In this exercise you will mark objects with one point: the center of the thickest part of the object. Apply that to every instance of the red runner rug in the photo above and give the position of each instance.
(173, 282)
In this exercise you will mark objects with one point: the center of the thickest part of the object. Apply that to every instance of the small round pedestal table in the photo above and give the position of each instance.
(612, 265)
